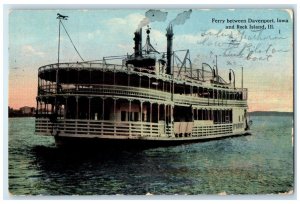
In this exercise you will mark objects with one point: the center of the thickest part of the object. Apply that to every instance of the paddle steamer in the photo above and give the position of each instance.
(149, 98)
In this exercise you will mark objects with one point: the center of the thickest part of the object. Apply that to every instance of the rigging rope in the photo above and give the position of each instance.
(71, 41)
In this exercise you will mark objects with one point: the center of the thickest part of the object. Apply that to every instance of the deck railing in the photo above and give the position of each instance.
(94, 128)
(141, 93)
(111, 129)
(104, 66)
(121, 91)
(212, 130)
(192, 100)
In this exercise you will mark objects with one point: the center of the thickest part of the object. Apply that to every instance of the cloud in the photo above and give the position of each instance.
(94, 34)
(153, 15)
(131, 20)
(181, 18)
(29, 50)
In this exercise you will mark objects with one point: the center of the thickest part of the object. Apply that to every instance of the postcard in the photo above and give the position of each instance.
(158, 101)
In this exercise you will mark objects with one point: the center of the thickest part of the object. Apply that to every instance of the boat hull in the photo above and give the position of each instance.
(105, 143)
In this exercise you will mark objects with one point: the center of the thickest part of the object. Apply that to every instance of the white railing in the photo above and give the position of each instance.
(221, 129)
(142, 93)
(121, 90)
(94, 128)
(183, 99)
(105, 67)
(111, 129)
(47, 89)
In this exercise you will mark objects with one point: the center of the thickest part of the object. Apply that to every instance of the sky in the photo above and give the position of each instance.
(265, 55)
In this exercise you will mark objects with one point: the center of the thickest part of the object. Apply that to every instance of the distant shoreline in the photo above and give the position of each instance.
(22, 116)
(254, 113)
(270, 113)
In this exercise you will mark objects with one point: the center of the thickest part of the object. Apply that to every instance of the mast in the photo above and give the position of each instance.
(58, 50)
(59, 17)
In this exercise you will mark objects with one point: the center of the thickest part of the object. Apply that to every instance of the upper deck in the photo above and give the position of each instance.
(97, 78)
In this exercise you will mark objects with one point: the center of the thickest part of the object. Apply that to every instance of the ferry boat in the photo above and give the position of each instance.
(149, 98)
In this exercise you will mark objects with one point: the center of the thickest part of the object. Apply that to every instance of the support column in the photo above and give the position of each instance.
(102, 116)
(77, 107)
(115, 101)
(150, 112)
(150, 119)
(89, 115)
(157, 113)
(171, 113)
(141, 118)
(129, 117)
(37, 107)
(66, 108)
(172, 119)
(165, 115)
(115, 118)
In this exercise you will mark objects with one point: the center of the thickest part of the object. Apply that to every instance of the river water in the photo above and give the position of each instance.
(261, 163)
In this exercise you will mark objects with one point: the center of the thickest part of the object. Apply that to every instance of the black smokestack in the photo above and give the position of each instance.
(169, 49)
(138, 43)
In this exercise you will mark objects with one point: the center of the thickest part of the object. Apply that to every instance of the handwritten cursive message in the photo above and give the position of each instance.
(250, 45)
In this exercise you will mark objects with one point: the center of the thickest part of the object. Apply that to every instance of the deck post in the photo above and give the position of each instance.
(66, 108)
(158, 112)
(129, 117)
(115, 118)
(103, 100)
(150, 119)
(102, 117)
(172, 119)
(141, 118)
(37, 107)
(165, 115)
(77, 107)
(158, 127)
(89, 107)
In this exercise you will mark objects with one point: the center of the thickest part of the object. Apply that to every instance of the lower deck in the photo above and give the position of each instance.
(136, 130)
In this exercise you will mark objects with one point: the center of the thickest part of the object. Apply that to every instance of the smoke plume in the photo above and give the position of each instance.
(181, 18)
(152, 16)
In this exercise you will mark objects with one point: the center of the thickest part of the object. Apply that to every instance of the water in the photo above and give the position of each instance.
(258, 164)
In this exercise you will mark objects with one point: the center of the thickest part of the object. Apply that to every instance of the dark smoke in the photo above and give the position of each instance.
(152, 16)
(181, 18)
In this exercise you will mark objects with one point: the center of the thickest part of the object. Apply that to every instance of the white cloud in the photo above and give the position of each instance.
(92, 35)
(29, 50)
(126, 48)
(132, 20)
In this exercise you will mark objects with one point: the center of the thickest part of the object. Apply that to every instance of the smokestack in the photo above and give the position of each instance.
(169, 49)
(138, 43)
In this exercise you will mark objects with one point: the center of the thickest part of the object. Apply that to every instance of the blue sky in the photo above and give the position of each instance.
(33, 36)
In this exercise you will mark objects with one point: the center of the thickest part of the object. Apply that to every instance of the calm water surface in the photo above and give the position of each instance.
(258, 164)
